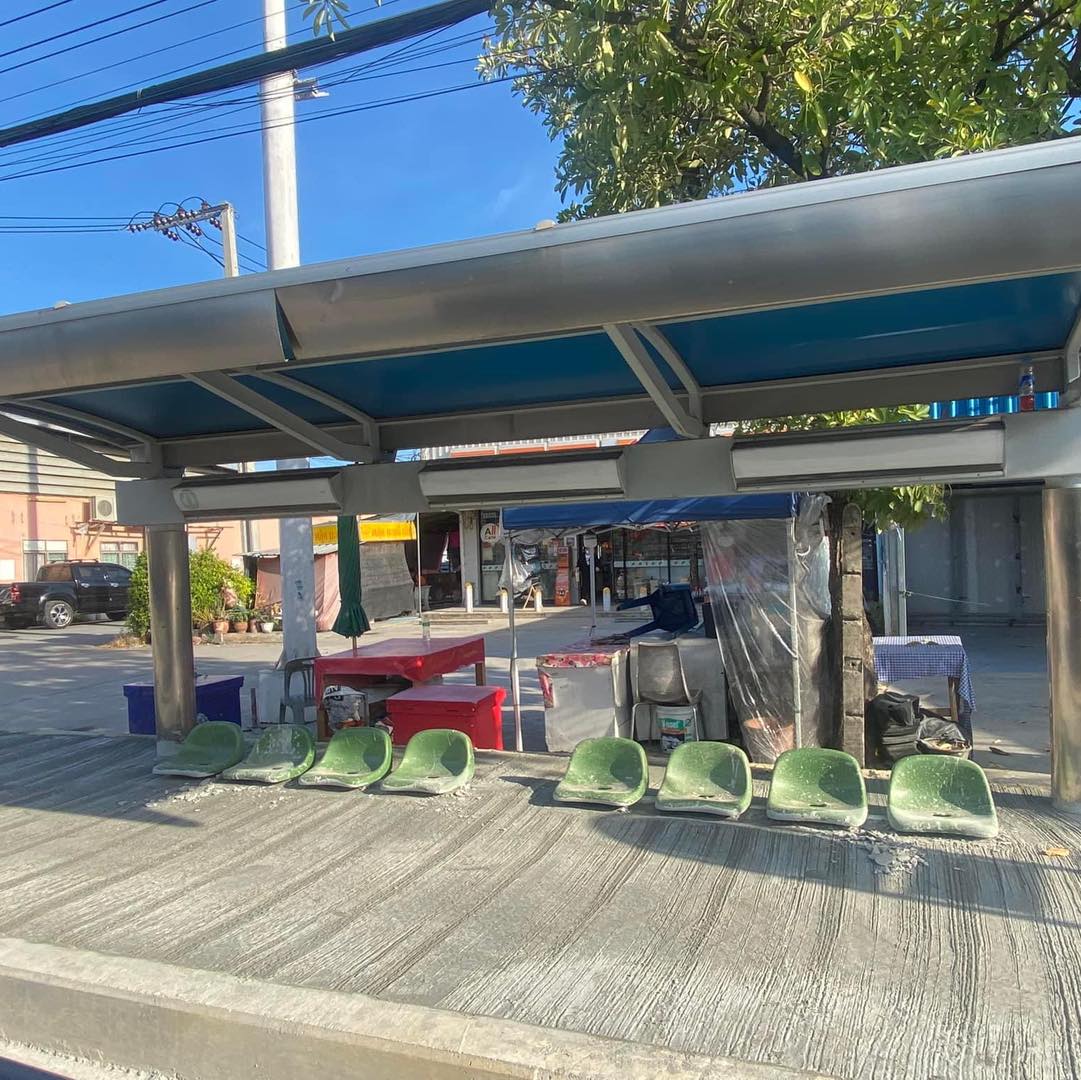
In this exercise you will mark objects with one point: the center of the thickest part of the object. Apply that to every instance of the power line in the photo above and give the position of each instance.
(226, 76)
(102, 37)
(36, 11)
(362, 107)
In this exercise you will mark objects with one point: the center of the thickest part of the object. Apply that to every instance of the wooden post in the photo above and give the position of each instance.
(852, 694)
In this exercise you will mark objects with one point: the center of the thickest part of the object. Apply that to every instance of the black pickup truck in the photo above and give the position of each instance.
(64, 590)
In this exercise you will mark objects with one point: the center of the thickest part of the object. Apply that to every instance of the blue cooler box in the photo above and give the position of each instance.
(216, 697)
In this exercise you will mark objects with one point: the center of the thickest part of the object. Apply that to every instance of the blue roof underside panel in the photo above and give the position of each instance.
(922, 327)
(559, 517)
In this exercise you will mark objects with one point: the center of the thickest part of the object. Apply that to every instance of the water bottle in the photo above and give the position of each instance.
(1026, 390)
(426, 627)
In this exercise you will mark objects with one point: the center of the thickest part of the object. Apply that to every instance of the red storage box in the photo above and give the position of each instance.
(476, 710)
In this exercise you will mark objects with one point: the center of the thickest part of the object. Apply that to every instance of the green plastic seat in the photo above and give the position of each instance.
(936, 793)
(706, 778)
(608, 771)
(435, 762)
(208, 749)
(281, 753)
(817, 785)
(354, 758)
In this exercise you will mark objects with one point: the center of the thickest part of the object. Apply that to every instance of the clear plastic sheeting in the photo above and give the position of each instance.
(769, 586)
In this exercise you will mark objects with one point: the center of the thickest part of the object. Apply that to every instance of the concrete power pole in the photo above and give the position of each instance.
(283, 250)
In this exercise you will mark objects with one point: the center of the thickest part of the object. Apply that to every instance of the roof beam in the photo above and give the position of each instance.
(668, 354)
(76, 419)
(313, 392)
(634, 352)
(270, 412)
(1072, 391)
(63, 446)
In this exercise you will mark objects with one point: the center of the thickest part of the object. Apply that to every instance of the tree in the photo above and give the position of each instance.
(659, 101)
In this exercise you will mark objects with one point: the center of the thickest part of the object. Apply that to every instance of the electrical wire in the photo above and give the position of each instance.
(360, 107)
(36, 11)
(61, 150)
(102, 37)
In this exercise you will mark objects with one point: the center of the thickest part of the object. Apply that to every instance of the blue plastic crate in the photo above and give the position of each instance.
(216, 697)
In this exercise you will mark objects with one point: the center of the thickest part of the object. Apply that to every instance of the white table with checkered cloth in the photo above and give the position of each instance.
(928, 656)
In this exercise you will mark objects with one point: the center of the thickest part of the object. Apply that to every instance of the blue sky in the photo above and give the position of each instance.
(460, 165)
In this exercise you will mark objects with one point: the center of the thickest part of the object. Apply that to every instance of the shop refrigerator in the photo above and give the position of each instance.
(587, 694)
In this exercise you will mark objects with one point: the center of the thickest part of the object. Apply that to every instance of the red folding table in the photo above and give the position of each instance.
(411, 658)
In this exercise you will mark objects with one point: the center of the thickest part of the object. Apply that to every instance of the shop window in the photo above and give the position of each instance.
(123, 552)
(37, 553)
(491, 555)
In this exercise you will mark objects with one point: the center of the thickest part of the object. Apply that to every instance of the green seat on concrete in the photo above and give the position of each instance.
(608, 771)
(819, 786)
(706, 778)
(208, 749)
(281, 753)
(936, 793)
(435, 762)
(354, 758)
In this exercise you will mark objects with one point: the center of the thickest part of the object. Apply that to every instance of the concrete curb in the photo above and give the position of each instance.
(207, 1025)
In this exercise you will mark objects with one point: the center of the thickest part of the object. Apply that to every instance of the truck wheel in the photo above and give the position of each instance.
(57, 614)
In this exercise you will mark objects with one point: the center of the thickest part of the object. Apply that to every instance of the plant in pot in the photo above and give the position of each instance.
(264, 615)
(238, 620)
(219, 624)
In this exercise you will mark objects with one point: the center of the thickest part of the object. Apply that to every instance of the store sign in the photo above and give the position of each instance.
(371, 532)
(490, 532)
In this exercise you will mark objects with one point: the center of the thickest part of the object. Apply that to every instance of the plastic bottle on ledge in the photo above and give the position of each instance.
(1026, 389)
(425, 627)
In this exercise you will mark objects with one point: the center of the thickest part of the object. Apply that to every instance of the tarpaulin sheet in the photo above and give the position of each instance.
(411, 658)
(648, 512)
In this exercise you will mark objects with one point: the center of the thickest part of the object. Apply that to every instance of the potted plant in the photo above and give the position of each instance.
(238, 620)
(263, 615)
(219, 621)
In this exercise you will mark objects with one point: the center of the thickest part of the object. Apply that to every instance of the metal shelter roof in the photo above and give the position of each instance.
(920, 283)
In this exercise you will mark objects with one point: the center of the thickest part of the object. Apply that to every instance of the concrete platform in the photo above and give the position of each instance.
(551, 939)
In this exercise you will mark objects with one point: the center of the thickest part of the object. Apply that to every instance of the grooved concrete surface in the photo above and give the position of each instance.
(856, 955)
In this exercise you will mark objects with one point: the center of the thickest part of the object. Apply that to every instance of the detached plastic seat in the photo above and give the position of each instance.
(354, 758)
(936, 793)
(282, 752)
(608, 771)
(817, 785)
(208, 749)
(706, 778)
(435, 762)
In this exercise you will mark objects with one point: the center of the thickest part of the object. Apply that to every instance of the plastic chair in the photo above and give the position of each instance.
(355, 758)
(672, 607)
(706, 778)
(817, 785)
(305, 668)
(435, 762)
(661, 681)
(281, 753)
(608, 771)
(937, 793)
(208, 749)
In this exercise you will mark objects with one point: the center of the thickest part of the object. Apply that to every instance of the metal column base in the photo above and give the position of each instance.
(1062, 547)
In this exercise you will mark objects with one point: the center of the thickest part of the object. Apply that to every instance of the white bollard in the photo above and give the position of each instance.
(469, 597)
(503, 601)
(538, 603)
(606, 599)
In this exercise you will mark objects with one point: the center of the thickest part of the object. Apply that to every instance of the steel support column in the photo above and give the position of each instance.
(1062, 548)
(170, 634)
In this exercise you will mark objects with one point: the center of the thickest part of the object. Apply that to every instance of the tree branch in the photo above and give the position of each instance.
(780, 146)
(611, 18)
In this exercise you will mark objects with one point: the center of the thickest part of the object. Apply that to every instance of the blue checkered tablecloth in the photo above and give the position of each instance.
(925, 657)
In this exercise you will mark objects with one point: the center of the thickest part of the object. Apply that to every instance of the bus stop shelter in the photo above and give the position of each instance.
(929, 282)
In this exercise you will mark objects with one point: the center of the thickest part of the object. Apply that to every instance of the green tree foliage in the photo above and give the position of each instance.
(328, 14)
(660, 101)
(209, 575)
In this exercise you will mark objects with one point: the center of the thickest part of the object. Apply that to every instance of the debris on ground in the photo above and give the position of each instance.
(998, 750)
(1057, 852)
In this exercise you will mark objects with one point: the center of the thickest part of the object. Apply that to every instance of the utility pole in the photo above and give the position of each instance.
(283, 250)
(221, 216)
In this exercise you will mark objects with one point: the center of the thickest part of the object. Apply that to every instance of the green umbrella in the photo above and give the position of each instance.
(352, 620)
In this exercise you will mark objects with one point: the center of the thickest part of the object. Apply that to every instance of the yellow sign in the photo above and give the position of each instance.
(371, 532)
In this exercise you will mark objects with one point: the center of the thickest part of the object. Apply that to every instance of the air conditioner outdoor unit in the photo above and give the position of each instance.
(933, 451)
(103, 508)
(523, 478)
